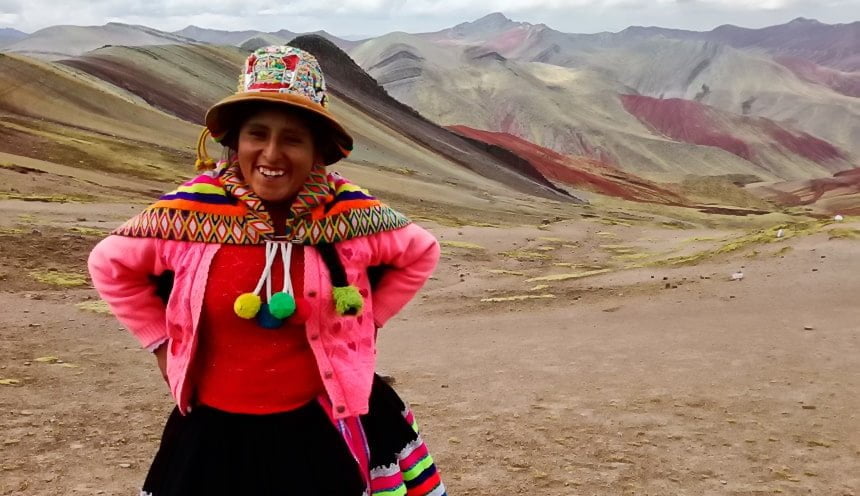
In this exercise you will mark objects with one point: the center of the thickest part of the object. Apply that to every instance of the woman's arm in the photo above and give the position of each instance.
(409, 255)
(122, 271)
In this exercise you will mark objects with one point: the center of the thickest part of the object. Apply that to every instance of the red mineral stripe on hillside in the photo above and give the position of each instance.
(508, 40)
(154, 89)
(846, 83)
(580, 172)
(803, 144)
(808, 192)
(686, 121)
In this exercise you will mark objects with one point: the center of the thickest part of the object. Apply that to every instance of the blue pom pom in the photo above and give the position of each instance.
(266, 319)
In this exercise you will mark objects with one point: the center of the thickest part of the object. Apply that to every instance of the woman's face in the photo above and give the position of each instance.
(276, 153)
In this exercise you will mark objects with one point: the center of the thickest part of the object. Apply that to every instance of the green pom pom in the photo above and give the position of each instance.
(247, 305)
(347, 300)
(282, 305)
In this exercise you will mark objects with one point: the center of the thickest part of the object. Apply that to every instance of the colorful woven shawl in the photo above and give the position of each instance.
(218, 207)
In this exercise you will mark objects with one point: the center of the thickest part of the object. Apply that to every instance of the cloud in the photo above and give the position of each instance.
(8, 7)
(743, 5)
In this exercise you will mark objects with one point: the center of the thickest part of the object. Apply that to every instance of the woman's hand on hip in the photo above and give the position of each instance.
(161, 356)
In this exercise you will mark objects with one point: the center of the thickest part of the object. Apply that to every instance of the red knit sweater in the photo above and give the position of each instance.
(243, 367)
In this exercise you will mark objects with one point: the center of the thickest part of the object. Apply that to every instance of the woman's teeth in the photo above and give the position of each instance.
(270, 172)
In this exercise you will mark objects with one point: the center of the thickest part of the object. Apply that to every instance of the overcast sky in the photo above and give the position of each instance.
(375, 17)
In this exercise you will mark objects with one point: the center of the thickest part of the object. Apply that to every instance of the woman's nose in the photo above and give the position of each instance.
(270, 149)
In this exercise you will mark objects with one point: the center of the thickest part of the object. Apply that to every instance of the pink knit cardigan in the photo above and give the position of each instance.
(344, 346)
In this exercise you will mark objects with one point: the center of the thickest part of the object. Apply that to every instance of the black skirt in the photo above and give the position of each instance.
(296, 453)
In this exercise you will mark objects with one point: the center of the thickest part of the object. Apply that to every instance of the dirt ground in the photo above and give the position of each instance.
(631, 376)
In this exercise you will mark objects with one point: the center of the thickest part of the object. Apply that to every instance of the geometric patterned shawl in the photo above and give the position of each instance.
(218, 207)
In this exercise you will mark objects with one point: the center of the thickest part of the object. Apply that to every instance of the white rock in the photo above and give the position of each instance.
(780, 233)
(838, 218)
(737, 276)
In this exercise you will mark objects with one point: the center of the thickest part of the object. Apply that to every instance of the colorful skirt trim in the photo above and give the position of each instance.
(400, 463)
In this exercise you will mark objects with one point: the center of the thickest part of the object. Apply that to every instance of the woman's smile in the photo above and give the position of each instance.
(269, 172)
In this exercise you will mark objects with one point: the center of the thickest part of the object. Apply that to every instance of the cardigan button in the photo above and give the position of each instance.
(311, 294)
(340, 409)
(328, 374)
(315, 337)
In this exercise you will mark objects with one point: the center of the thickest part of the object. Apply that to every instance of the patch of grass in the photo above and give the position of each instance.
(567, 277)
(10, 230)
(844, 233)
(677, 224)
(525, 255)
(60, 279)
(723, 190)
(539, 287)
(462, 244)
(614, 222)
(443, 220)
(88, 231)
(632, 256)
(506, 272)
(48, 198)
(759, 237)
(553, 240)
(698, 239)
(97, 306)
(605, 234)
(618, 250)
(501, 299)
(545, 248)
(572, 265)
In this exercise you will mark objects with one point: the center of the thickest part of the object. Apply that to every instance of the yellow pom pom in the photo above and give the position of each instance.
(247, 305)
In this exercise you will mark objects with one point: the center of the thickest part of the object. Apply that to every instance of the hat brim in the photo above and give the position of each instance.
(221, 119)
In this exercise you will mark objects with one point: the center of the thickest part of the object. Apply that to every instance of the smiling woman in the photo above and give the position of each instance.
(275, 389)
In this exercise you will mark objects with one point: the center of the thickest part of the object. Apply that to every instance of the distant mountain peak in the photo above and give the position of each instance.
(494, 18)
(804, 20)
(336, 63)
(10, 35)
(490, 22)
